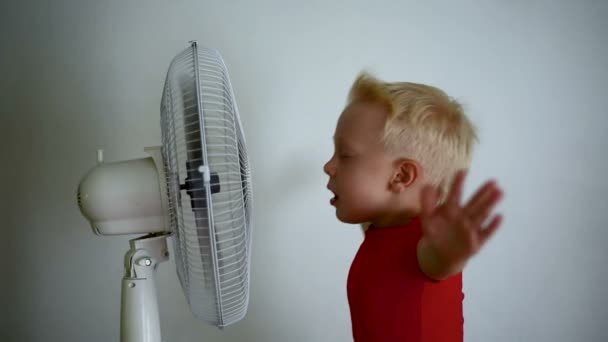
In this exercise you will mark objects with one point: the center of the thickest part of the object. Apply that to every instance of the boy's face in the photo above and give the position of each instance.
(360, 169)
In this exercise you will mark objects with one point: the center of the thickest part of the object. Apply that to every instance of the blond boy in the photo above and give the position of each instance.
(401, 151)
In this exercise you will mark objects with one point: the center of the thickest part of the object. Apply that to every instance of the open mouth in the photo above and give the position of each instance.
(334, 199)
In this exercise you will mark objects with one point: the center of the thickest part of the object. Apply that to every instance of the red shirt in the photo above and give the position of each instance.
(390, 298)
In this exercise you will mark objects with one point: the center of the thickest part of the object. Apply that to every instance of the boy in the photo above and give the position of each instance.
(400, 154)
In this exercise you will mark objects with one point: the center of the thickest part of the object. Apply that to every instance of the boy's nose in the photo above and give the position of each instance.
(328, 168)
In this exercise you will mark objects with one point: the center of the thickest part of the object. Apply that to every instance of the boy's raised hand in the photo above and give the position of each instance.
(452, 233)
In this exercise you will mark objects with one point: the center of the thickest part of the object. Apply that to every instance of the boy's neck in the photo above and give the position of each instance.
(399, 219)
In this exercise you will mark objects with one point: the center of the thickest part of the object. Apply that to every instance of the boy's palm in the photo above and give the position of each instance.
(456, 232)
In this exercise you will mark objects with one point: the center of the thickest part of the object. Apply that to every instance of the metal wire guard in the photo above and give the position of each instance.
(208, 185)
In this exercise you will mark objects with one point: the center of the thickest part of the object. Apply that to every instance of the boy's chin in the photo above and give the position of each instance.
(350, 219)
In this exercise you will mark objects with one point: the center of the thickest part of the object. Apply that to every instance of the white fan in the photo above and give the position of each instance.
(197, 187)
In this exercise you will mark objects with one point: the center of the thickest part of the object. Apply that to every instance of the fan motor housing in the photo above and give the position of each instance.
(123, 198)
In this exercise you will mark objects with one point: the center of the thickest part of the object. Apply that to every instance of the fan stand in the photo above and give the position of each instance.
(139, 321)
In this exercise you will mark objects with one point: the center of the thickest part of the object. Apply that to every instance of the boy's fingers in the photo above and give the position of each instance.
(475, 204)
(456, 189)
(485, 207)
(490, 229)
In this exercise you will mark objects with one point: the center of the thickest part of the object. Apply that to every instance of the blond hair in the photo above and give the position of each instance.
(423, 124)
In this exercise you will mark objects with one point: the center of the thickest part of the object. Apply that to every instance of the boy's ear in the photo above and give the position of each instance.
(406, 173)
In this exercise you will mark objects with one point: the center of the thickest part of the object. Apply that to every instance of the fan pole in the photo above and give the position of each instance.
(139, 321)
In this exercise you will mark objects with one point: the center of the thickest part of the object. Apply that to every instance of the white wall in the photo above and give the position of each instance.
(79, 75)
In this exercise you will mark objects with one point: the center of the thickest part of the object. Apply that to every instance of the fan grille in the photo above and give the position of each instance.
(211, 221)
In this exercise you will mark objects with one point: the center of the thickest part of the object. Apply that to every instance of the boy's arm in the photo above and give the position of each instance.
(453, 233)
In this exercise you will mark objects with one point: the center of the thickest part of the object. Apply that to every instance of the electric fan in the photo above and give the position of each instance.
(196, 187)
